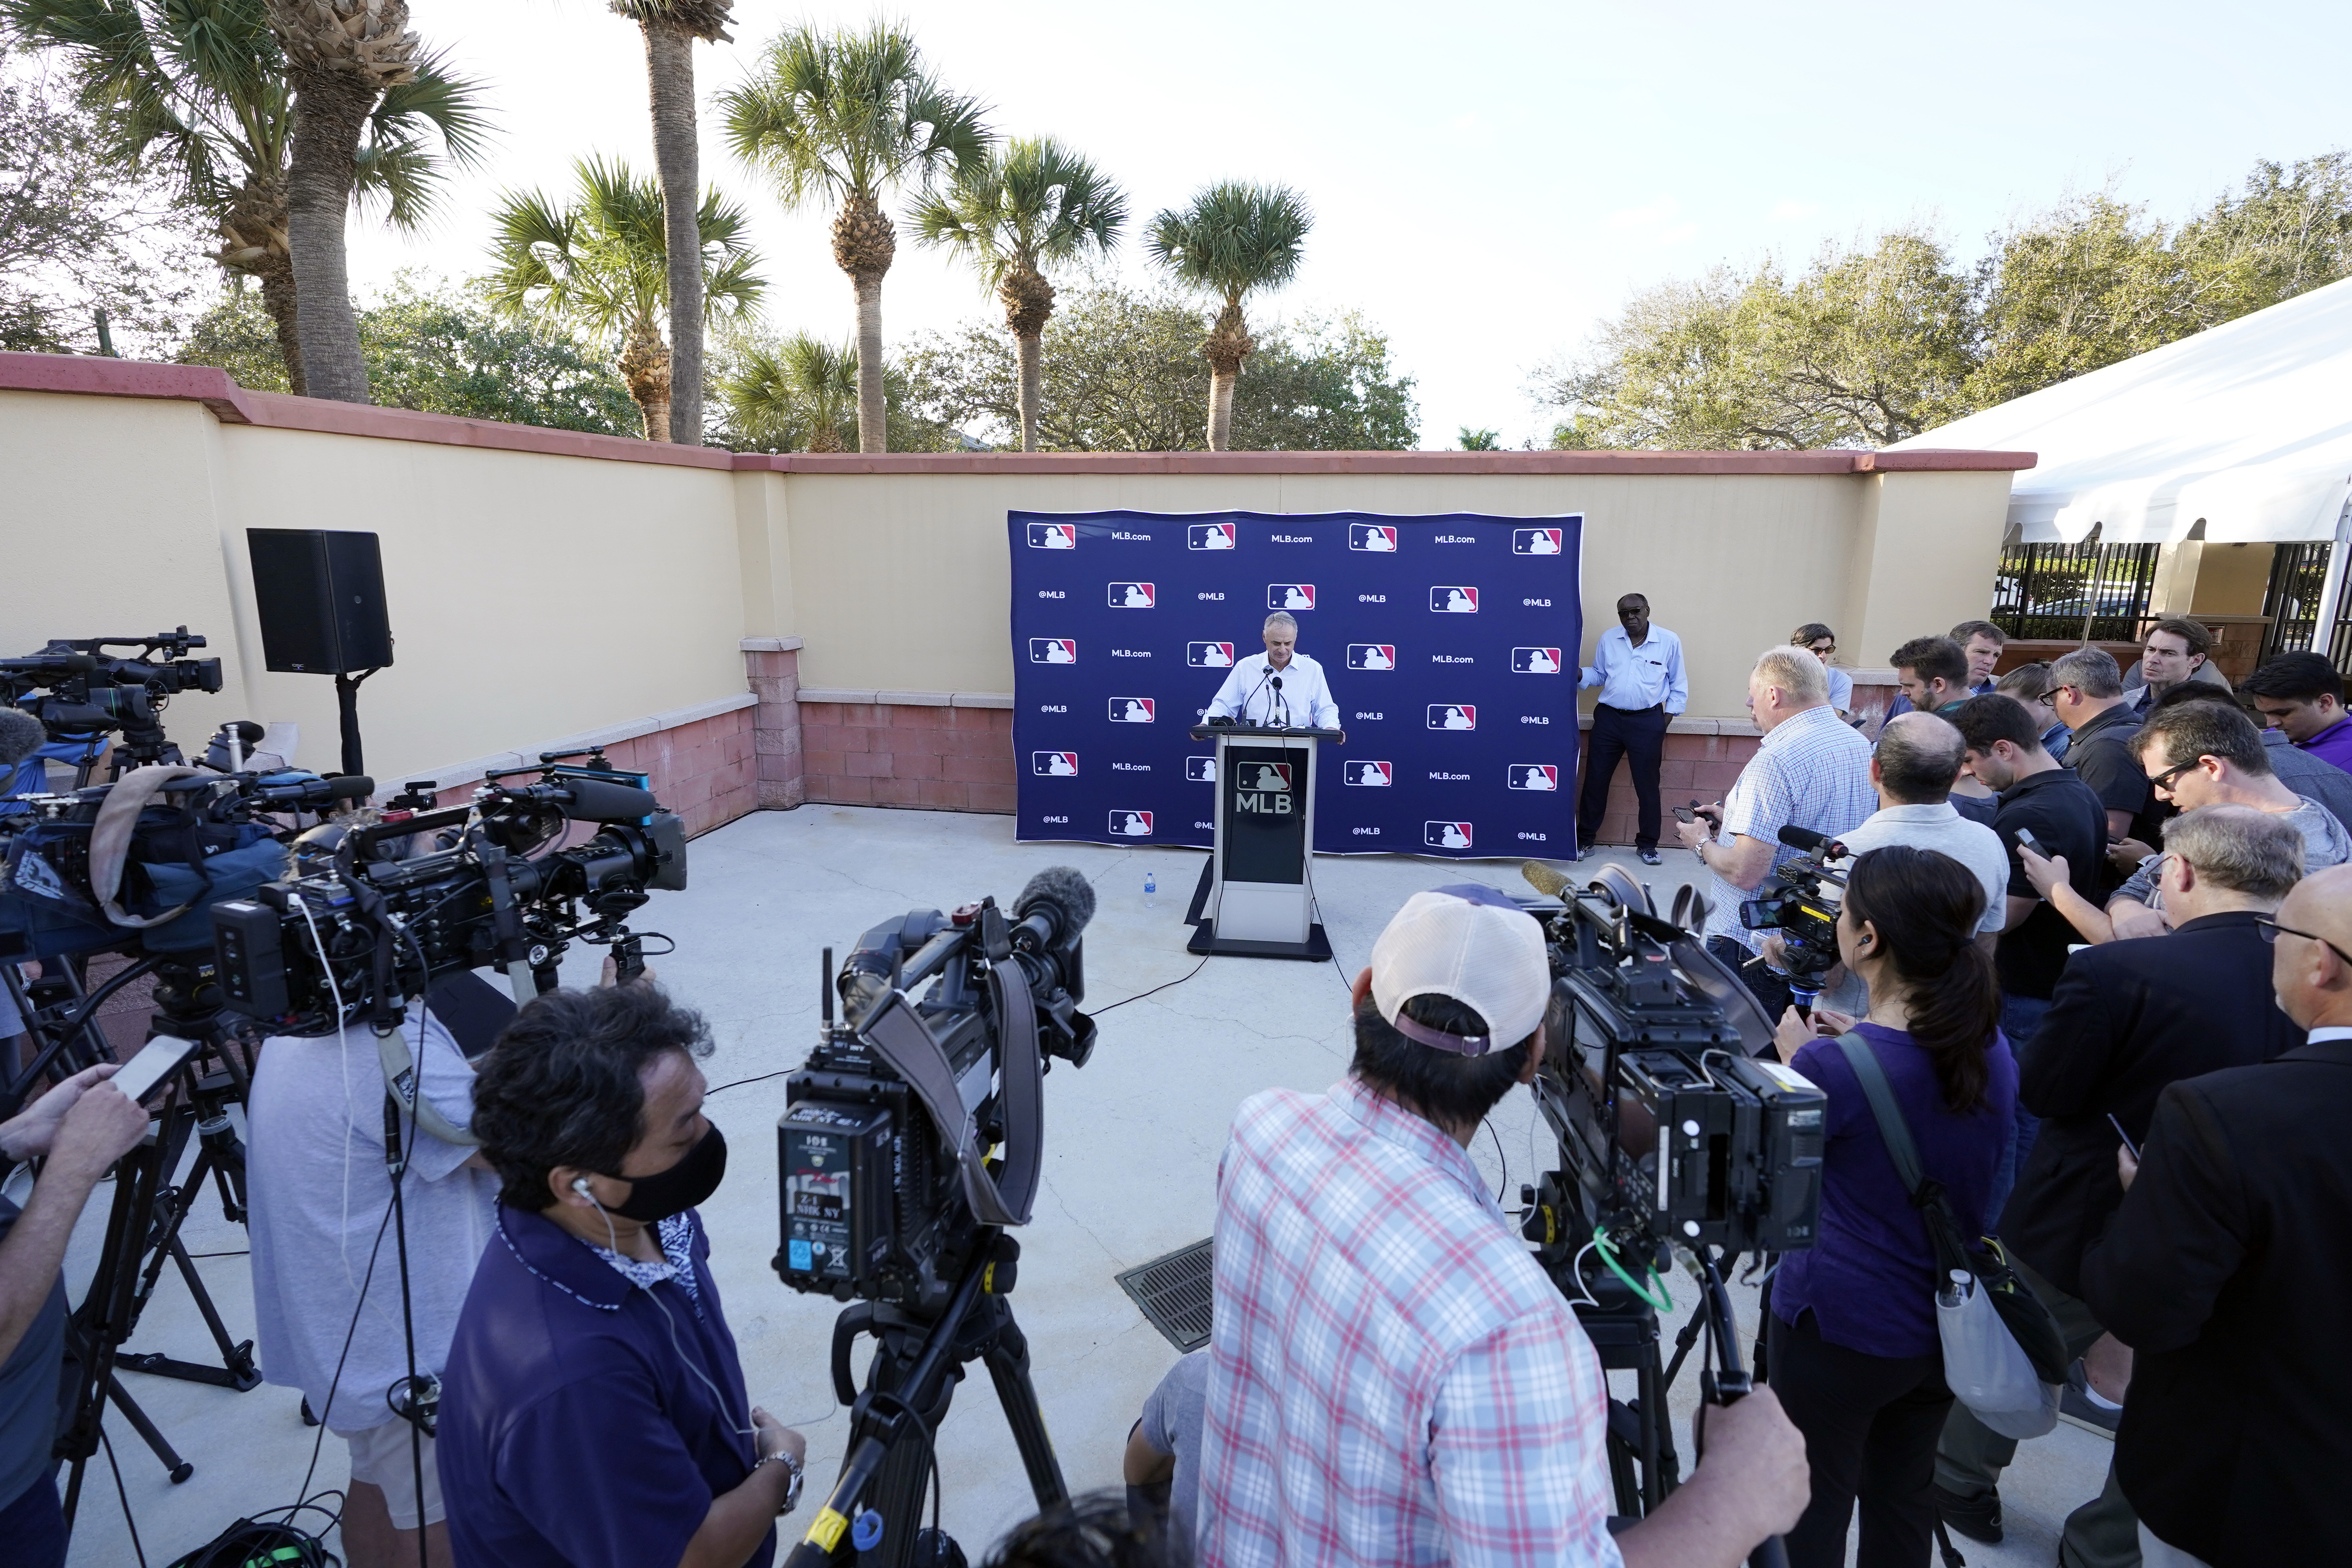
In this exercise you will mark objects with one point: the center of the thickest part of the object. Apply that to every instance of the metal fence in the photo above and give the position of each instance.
(2094, 592)
(2299, 580)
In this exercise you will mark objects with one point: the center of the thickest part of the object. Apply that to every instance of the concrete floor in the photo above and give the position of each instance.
(1132, 1147)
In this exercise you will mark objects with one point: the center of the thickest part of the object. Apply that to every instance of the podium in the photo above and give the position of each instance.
(1255, 899)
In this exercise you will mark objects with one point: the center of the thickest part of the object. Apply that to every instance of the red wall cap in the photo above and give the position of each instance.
(94, 376)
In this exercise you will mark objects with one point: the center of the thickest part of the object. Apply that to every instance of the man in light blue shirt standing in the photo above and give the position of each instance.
(1639, 668)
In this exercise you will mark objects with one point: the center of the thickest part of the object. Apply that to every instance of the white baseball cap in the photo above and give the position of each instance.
(1475, 945)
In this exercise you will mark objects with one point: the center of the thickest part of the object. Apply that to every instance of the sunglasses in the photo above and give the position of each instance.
(1821, 650)
(2270, 930)
(2163, 781)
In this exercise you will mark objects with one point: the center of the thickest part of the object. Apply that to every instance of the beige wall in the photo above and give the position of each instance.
(1922, 559)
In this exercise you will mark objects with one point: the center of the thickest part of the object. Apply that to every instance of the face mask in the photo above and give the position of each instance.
(690, 1182)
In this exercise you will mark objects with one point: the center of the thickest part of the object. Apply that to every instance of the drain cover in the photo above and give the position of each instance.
(1175, 1293)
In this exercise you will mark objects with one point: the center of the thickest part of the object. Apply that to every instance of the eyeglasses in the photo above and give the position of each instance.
(2270, 930)
(1821, 650)
(2163, 781)
(1627, 615)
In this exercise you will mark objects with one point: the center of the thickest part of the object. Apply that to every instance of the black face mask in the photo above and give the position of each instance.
(690, 1182)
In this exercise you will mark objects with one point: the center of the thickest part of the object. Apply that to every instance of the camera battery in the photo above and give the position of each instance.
(838, 1200)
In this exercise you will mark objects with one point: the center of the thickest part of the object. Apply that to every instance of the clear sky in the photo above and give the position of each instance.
(1490, 182)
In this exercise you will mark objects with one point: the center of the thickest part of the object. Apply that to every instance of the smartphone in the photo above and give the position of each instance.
(2026, 840)
(162, 1057)
(2129, 1147)
(1687, 813)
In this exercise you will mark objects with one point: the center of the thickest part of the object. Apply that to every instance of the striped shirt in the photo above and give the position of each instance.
(1812, 771)
(1392, 1378)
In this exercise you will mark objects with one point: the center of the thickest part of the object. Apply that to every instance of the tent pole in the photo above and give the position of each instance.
(2331, 592)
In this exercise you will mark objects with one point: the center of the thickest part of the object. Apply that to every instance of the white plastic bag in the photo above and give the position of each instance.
(1985, 1369)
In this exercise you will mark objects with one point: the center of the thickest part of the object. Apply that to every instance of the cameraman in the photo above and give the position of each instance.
(1393, 1377)
(78, 1127)
(595, 1411)
(1855, 1353)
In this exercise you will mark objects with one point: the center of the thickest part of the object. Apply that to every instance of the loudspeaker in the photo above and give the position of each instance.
(319, 594)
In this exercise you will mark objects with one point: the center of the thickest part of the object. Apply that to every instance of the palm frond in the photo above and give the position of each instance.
(1235, 237)
(1030, 204)
(455, 107)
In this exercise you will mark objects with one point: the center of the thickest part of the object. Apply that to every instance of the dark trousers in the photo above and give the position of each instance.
(1869, 1424)
(32, 1528)
(1766, 984)
(1638, 738)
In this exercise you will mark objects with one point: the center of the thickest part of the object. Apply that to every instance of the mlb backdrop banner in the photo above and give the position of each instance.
(1450, 643)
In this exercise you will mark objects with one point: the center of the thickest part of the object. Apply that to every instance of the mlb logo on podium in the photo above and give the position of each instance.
(1271, 777)
(1454, 601)
(1053, 651)
(1210, 536)
(1536, 540)
(1379, 537)
(1133, 596)
(1372, 775)
(1054, 764)
(1201, 770)
(1371, 656)
(1535, 661)
(1133, 709)
(1534, 775)
(1452, 716)
(1290, 595)
(1131, 825)
(1053, 536)
(1209, 655)
(1445, 835)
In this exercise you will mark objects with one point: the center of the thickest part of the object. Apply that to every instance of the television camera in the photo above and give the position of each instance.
(1676, 1130)
(911, 1141)
(1791, 903)
(91, 692)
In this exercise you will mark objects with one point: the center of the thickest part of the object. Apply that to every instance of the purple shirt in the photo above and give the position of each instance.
(1871, 1280)
(574, 1433)
(2333, 744)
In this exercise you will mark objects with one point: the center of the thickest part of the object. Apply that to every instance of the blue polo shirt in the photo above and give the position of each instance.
(572, 1433)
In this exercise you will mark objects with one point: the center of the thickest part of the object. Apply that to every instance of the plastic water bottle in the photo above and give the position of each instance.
(1151, 891)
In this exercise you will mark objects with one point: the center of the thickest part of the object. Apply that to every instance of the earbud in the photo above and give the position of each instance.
(580, 1185)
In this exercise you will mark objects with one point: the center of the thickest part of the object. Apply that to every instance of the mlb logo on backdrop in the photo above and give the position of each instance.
(1053, 651)
(1133, 709)
(1374, 775)
(1371, 656)
(1445, 835)
(1054, 764)
(1375, 536)
(1535, 661)
(1209, 655)
(1535, 540)
(1534, 775)
(1290, 595)
(1452, 716)
(1131, 596)
(1131, 825)
(1453, 601)
(1209, 536)
(1201, 770)
(1053, 536)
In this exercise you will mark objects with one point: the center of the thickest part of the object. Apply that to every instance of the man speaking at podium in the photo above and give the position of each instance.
(1278, 687)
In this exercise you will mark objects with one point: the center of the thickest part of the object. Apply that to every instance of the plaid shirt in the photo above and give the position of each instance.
(1393, 1379)
(1811, 770)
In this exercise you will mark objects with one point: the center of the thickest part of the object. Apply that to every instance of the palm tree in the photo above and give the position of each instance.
(800, 394)
(602, 264)
(671, 27)
(1019, 209)
(201, 86)
(1233, 239)
(341, 58)
(839, 119)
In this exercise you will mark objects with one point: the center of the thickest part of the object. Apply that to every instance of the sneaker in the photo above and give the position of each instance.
(1978, 1518)
(2076, 1405)
(1650, 858)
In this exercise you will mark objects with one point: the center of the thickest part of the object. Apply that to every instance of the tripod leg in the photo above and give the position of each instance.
(1008, 1368)
(178, 1469)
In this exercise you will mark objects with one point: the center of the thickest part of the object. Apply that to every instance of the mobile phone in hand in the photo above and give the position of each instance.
(1687, 813)
(2026, 840)
(2129, 1147)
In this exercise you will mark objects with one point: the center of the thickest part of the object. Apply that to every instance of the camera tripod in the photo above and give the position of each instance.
(916, 1367)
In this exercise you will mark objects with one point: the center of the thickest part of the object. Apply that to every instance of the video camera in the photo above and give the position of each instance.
(1792, 903)
(887, 1187)
(1673, 1124)
(91, 693)
(365, 924)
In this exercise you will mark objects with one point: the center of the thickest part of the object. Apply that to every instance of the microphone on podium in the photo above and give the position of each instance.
(1276, 681)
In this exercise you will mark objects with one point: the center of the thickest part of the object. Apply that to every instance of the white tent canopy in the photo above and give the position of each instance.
(2246, 428)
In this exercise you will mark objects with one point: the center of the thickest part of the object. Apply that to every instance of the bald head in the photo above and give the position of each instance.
(1919, 757)
(2309, 969)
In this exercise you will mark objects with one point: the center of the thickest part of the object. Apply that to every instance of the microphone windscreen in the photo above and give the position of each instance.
(1548, 880)
(1278, 683)
(595, 800)
(21, 735)
(1066, 888)
(1797, 837)
(351, 786)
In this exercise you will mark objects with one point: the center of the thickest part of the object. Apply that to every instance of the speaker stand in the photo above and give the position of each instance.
(347, 704)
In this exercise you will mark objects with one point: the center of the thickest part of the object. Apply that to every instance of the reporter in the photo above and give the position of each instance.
(81, 1127)
(1855, 1352)
(593, 1412)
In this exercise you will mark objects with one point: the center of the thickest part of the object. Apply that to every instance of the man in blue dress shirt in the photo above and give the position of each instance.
(1639, 668)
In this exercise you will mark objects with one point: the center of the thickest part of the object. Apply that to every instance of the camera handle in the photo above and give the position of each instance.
(1727, 1382)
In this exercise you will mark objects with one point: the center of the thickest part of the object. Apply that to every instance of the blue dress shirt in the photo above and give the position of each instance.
(1633, 677)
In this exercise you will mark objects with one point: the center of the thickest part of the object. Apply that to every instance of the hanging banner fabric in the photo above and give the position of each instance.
(1449, 642)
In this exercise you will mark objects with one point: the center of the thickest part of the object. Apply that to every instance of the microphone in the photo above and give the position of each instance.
(1805, 839)
(1548, 880)
(1277, 697)
(1055, 906)
(1243, 715)
(21, 735)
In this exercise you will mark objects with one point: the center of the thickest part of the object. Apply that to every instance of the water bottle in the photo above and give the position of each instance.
(1151, 889)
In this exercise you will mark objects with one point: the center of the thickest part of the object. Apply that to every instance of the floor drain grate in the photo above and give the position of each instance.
(1175, 1293)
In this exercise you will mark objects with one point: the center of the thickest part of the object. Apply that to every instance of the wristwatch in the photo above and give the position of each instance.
(797, 1472)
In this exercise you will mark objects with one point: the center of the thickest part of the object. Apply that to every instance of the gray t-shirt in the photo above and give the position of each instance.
(318, 1193)
(2325, 843)
(1171, 1425)
(1941, 828)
